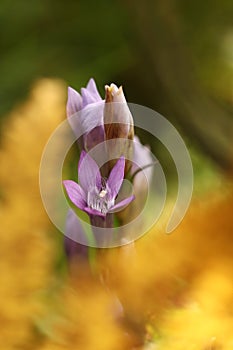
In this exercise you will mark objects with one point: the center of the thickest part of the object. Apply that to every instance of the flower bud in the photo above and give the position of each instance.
(118, 124)
(85, 115)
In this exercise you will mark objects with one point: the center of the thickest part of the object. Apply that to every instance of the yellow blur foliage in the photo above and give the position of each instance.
(26, 251)
(162, 292)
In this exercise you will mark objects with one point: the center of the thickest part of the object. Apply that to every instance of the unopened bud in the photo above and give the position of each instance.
(118, 124)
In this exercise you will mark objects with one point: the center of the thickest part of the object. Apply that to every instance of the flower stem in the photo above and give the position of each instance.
(98, 221)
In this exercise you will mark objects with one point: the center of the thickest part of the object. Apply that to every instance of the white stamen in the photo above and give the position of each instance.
(103, 193)
(99, 200)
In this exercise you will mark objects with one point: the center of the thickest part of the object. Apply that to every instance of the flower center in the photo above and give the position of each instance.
(100, 200)
(103, 193)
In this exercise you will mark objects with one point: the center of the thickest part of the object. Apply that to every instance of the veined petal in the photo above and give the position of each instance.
(122, 204)
(75, 193)
(94, 137)
(91, 211)
(116, 177)
(86, 110)
(91, 87)
(74, 102)
(88, 98)
(88, 172)
(91, 116)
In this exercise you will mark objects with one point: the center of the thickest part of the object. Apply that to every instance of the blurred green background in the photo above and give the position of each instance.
(174, 56)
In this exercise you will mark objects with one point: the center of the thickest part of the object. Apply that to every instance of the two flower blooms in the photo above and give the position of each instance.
(107, 137)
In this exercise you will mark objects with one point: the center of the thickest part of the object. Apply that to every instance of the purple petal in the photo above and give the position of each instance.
(116, 177)
(91, 87)
(90, 94)
(75, 237)
(88, 172)
(85, 119)
(94, 137)
(91, 116)
(141, 158)
(75, 193)
(88, 98)
(94, 212)
(74, 102)
(122, 203)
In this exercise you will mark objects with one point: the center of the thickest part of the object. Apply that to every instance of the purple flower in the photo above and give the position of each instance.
(85, 114)
(96, 195)
(102, 120)
(77, 102)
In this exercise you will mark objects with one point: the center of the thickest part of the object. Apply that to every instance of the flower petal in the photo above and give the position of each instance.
(142, 155)
(85, 119)
(91, 87)
(90, 94)
(91, 116)
(122, 204)
(91, 211)
(88, 98)
(75, 193)
(94, 137)
(88, 172)
(116, 177)
(141, 158)
(117, 93)
(74, 102)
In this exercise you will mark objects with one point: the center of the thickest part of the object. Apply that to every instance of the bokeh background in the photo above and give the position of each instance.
(164, 292)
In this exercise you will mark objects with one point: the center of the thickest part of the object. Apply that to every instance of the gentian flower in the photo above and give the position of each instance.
(94, 194)
(102, 120)
(77, 102)
(85, 114)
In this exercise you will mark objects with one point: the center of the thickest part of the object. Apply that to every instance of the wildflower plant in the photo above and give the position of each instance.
(115, 167)
(95, 195)
(110, 155)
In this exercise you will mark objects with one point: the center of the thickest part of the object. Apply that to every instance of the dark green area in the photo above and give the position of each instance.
(173, 56)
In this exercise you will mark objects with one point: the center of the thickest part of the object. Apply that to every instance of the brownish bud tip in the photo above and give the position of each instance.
(118, 124)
